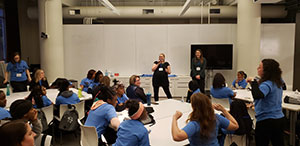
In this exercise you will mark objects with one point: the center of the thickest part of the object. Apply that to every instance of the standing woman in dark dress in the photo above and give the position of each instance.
(198, 69)
(161, 70)
(19, 73)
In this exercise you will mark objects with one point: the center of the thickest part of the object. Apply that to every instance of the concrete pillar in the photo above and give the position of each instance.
(51, 44)
(248, 36)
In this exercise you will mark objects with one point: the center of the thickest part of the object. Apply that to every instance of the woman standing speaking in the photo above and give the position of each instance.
(198, 69)
(161, 70)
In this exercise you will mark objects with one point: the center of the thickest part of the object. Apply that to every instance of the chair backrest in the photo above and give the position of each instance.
(39, 140)
(79, 108)
(48, 111)
(89, 136)
(223, 101)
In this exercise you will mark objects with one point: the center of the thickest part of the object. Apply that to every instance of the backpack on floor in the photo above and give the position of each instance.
(69, 120)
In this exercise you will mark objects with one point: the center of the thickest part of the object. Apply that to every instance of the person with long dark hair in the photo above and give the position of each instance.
(65, 96)
(240, 82)
(38, 97)
(96, 82)
(4, 114)
(85, 83)
(203, 124)
(103, 114)
(132, 132)
(16, 133)
(161, 69)
(19, 73)
(267, 94)
(198, 69)
(219, 89)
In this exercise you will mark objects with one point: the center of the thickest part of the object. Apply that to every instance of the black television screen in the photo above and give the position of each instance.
(218, 56)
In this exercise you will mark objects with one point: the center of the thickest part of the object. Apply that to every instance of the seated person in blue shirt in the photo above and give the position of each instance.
(4, 114)
(132, 132)
(122, 97)
(103, 115)
(65, 96)
(219, 89)
(19, 73)
(193, 88)
(267, 95)
(38, 97)
(134, 91)
(96, 82)
(240, 82)
(203, 124)
(85, 83)
(39, 79)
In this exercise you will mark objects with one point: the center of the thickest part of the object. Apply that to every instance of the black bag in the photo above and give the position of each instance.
(41, 116)
(69, 120)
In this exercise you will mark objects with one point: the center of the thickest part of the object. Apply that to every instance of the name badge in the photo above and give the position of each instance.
(198, 68)
(18, 75)
(160, 69)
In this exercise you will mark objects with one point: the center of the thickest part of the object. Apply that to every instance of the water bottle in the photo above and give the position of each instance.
(79, 93)
(148, 98)
(7, 90)
(106, 73)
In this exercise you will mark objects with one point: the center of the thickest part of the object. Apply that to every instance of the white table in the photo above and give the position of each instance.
(246, 95)
(51, 94)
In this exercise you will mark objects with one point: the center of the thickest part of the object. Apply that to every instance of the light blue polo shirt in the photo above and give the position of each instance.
(100, 117)
(122, 99)
(223, 92)
(17, 71)
(192, 129)
(269, 107)
(243, 83)
(4, 113)
(132, 133)
(86, 83)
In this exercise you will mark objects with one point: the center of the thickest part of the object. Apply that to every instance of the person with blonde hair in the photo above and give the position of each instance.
(161, 69)
(134, 91)
(203, 124)
(39, 79)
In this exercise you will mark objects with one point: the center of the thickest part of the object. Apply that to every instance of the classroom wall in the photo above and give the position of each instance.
(131, 49)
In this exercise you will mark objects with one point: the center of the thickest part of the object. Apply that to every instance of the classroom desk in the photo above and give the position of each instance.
(246, 95)
(51, 94)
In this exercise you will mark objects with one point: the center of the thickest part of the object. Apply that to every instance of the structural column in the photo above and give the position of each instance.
(248, 36)
(51, 38)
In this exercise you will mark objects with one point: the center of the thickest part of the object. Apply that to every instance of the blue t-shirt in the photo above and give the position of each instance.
(223, 92)
(122, 99)
(73, 99)
(46, 101)
(197, 91)
(132, 133)
(93, 85)
(269, 107)
(192, 129)
(17, 71)
(243, 83)
(4, 113)
(100, 117)
(86, 83)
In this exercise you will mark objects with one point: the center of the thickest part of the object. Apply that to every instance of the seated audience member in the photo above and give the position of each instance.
(219, 89)
(203, 124)
(105, 81)
(23, 110)
(103, 115)
(122, 97)
(17, 133)
(193, 88)
(134, 91)
(240, 82)
(58, 81)
(132, 132)
(66, 96)
(39, 79)
(85, 83)
(98, 77)
(38, 97)
(4, 114)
